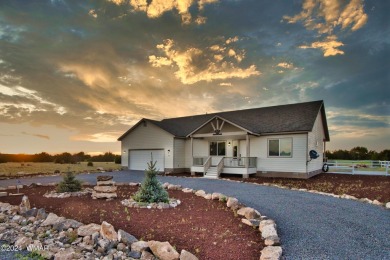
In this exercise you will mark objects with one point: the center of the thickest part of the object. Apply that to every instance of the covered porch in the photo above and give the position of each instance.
(219, 147)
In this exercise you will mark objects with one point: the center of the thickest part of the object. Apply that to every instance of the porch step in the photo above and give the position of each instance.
(211, 173)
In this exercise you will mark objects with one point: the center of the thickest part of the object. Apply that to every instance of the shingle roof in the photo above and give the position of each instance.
(265, 120)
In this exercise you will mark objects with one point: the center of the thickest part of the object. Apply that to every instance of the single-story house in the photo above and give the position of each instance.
(268, 141)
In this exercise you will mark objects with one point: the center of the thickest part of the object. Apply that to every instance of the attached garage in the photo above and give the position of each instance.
(139, 159)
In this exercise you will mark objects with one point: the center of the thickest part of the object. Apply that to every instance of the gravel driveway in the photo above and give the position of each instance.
(310, 226)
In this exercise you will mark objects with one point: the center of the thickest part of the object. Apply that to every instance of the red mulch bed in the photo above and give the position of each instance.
(360, 186)
(206, 228)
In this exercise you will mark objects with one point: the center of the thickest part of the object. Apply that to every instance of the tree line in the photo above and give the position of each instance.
(63, 158)
(359, 153)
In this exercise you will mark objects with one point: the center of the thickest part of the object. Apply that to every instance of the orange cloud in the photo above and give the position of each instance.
(329, 46)
(187, 63)
(325, 16)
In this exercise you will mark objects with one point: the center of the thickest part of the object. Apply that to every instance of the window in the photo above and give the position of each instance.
(280, 147)
(218, 148)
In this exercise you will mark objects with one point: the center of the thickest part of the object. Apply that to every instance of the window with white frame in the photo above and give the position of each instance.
(281, 147)
(218, 148)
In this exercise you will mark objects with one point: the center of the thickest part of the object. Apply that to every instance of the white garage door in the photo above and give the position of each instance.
(139, 159)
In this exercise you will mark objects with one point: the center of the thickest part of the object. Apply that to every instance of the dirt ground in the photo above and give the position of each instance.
(206, 228)
(360, 186)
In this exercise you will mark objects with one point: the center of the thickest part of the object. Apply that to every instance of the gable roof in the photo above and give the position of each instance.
(265, 120)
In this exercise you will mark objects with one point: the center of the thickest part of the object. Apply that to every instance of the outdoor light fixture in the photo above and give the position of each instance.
(124, 151)
(229, 143)
(169, 152)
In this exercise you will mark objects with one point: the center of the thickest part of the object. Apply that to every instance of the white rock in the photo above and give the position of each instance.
(105, 189)
(271, 253)
(249, 213)
(269, 231)
(266, 222)
(139, 246)
(107, 231)
(187, 190)
(163, 250)
(388, 205)
(88, 230)
(52, 219)
(232, 203)
(216, 196)
(376, 202)
(200, 193)
(185, 255)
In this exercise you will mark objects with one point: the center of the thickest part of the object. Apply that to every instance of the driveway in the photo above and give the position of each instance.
(310, 226)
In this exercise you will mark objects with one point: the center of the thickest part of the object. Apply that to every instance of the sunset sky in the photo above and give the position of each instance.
(74, 75)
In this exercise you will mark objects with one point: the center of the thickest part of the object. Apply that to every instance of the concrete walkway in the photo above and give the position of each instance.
(310, 226)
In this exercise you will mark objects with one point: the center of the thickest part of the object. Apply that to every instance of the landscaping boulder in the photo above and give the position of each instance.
(388, 205)
(41, 214)
(101, 195)
(65, 225)
(216, 196)
(147, 256)
(232, 203)
(23, 242)
(271, 253)
(200, 193)
(24, 205)
(52, 219)
(67, 254)
(103, 177)
(126, 238)
(251, 222)
(187, 190)
(272, 241)
(249, 213)
(139, 246)
(266, 222)
(107, 231)
(185, 255)
(105, 189)
(269, 231)
(88, 230)
(163, 250)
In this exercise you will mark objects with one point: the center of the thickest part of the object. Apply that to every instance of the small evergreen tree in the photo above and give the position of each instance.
(69, 183)
(151, 190)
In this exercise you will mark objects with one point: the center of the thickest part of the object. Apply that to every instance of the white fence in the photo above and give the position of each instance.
(360, 167)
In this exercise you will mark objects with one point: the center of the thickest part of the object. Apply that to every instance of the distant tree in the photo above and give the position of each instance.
(373, 155)
(42, 157)
(359, 153)
(2, 159)
(384, 155)
(64, 158)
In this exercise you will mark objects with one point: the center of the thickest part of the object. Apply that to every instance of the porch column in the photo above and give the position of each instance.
(247, 150)
(192, 155)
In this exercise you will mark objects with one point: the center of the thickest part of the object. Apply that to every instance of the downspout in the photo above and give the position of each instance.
(307, 152)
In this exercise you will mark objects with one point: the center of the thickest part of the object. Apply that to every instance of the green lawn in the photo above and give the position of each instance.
(19, 169)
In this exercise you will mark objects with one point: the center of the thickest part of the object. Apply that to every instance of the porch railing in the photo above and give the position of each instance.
(240, 162)
(220, 166)
(207, 165)
(199, 161)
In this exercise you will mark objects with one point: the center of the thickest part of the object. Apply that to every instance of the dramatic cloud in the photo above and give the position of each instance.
(83, 72)
(156, 8)
(329, 46)
(326, 16)
(195, 65)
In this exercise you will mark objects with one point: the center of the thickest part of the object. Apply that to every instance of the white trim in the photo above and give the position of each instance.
(223, 134)
(211, 119)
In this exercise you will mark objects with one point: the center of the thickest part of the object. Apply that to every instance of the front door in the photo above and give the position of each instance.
(217, 151)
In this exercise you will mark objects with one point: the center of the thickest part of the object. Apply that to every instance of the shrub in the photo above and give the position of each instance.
(90, 163)
(151, 190)
(118, 159)
(69, 184)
